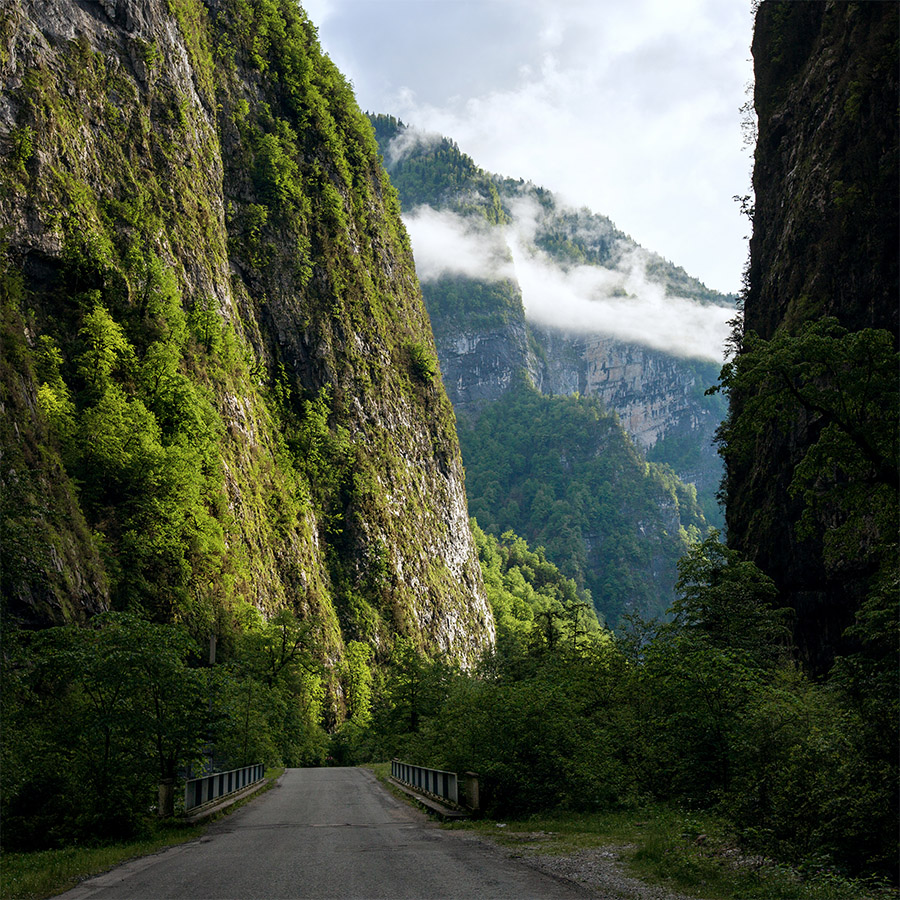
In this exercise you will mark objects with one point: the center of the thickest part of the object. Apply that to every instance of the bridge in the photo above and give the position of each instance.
(328, 833)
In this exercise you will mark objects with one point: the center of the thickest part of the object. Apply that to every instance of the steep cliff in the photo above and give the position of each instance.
(811, 486)
(484, 339)
(219, 378)
(567, 431)
(825, 179)
(660, 400)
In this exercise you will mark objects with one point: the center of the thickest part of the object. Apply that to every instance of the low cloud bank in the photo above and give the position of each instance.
(621, 302)
(406, 141)
(447, 244)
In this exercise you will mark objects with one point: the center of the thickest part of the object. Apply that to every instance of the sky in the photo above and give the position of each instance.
(628, 107)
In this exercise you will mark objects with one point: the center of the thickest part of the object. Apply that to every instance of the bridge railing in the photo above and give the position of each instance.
(431, 781)
(198, 791)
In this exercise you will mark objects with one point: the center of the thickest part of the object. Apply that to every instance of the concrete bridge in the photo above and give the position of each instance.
(328, 834)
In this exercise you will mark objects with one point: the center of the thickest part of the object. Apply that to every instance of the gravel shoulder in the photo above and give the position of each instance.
(601, 869)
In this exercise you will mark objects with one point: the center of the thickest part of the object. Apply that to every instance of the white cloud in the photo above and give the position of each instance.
(408, 140)
(621, 302)
(629, 107)
(448, 244)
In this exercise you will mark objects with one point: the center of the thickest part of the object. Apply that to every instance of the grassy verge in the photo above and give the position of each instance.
(46, 873)
(382, 771)
(692, 853)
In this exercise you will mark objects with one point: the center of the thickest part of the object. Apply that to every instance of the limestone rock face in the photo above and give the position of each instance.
(659, 399)
(479, 367)
(653, 393)
(201, 174)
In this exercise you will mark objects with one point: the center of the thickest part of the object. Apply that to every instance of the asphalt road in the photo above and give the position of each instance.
(327, 834)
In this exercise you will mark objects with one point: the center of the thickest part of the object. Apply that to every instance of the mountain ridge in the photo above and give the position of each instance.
(485, 335)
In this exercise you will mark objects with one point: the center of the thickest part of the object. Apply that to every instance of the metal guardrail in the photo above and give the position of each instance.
(198, 791)
(434, 781)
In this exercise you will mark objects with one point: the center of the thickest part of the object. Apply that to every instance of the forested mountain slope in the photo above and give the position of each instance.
(655, 383)
(476, 235)
(563, 472)
(219, 383)
(811, 440)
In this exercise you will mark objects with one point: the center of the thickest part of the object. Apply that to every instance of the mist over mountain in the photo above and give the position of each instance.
(576, 279)
(528, 294)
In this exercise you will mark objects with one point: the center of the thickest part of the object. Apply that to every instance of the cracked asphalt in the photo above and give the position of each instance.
(328, 834)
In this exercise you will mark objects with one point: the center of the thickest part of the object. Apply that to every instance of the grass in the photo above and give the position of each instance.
(689, 852)
(382, 771)
(46, 873)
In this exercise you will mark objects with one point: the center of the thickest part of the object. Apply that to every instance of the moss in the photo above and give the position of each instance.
(276, 238)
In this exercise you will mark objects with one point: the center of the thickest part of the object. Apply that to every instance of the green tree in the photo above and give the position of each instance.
(727, 601)
(843, 387)
(99, 715)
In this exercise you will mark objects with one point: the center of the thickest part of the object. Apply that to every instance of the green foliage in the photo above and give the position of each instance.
(275, 171)
(432, 170)
(455, 302)
(422, 363)
(357, 660)
(22, 140)
(267, 697)
(844, 387)
(105, 347)
(708, 712)
(561, 472)
(834, 393)
(94, 717)
(149, 470)
(532, 601)
(727, 601)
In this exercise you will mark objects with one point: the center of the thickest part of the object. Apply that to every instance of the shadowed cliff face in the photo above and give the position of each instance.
(824, 243)
(219, 378)
(826, 222)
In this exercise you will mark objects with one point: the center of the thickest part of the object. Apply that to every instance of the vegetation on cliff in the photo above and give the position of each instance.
(562, 472)
(810, 442)
(220, 380)
(222, 414)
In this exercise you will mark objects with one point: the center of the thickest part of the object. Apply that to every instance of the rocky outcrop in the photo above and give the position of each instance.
(196, 184)
(654, 395)
(825, 238)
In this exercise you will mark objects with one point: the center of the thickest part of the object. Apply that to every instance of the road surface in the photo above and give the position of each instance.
(327, 834)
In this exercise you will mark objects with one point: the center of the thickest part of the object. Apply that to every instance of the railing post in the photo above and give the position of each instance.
(471, 791)
(166, 807)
